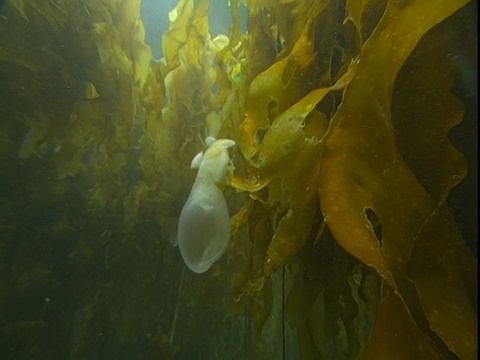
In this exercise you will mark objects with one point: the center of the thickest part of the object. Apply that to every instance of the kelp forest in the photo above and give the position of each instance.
(351, 184)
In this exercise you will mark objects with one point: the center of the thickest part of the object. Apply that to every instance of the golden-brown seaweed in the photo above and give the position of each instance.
(344, 241)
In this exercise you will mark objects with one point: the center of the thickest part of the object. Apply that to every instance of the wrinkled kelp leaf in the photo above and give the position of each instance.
(363, 173)
(343, 243)
(361, 150)
(446, 290)
(402, 334)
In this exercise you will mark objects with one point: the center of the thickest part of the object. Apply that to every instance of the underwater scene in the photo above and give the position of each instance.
(238, 179)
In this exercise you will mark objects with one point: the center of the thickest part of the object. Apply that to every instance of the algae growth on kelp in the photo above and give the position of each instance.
(353, 198)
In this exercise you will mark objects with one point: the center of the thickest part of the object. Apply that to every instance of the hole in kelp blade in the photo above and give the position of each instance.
(376, 224)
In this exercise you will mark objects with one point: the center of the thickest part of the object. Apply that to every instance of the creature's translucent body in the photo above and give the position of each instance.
(204, 224)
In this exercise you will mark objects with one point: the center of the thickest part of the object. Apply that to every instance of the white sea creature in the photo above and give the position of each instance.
(204, 224)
